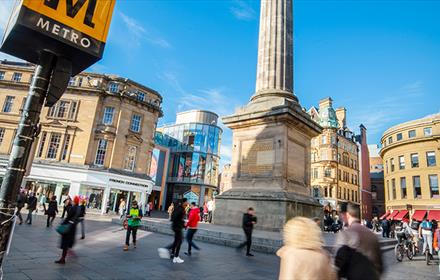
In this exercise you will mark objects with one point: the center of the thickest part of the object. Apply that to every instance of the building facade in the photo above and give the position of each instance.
(364, 174)
(225, 178)
(376, 179)
(334, 159)
(96, 141)
(194, 143)
(410, 153)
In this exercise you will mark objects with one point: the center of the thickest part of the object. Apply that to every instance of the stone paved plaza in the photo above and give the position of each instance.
(100, 256)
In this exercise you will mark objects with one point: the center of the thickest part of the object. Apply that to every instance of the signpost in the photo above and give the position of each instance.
(63, 37)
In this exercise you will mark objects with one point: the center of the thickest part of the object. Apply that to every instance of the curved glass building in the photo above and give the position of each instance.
(194, 143)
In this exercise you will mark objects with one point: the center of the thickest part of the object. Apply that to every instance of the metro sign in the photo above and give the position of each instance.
(74, 29)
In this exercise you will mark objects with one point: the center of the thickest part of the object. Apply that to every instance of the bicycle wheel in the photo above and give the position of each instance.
(410, 252)
(398, 252)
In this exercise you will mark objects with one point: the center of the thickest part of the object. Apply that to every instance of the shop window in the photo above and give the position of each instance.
(16, 77)
(65, 147)
(108, 115)
(401, 162)
(100, 152)
(427, 131)
(416, 186)
(433, 185)
(430, 159)
(130, 159)
(136, 121)
(403, 187)
(54, 145)
(41, 145)
(414, 160)
(7, 106)
(411, 134)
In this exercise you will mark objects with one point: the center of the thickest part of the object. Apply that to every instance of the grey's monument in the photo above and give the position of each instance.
(271, 135)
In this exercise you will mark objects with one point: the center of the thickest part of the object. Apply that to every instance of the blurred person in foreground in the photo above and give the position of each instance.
(69, 229)
(193, 221)
(358, 254)
(302, 256)
(249, 220)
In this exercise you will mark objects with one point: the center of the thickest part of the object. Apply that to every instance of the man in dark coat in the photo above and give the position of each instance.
(249, 220)
(21, 200)
(51, 211)
(177, 226)
(32, 205)
(385, 228)
(68, 238)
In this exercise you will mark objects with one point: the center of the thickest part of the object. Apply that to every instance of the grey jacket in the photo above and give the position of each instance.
(364, 241)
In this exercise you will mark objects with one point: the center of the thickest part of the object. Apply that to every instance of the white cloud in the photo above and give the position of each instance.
(139, 33)
(242, 10)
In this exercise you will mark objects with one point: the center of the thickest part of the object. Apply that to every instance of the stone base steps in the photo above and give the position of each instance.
(264, 242)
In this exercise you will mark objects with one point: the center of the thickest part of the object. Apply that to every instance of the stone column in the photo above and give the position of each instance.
(275, 50)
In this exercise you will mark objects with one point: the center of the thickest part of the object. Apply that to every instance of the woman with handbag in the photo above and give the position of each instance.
(67, 229)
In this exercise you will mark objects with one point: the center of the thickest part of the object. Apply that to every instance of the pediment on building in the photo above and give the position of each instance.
(134, 138)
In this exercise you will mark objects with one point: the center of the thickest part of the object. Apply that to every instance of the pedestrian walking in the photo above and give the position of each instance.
(150, 208)
(210, 206)
(21, 200)
(303, 255)
(358, 254)
(147, 209)
(193, 221)
(121, 208)
(67, 229)
(177, 224)
(133, 222)
(426, 233)
(81, 217)
(170, 211)
(52, 210)
(249, 220)
(205, 212)
(385, 228)
(31, 206)
(67, 203)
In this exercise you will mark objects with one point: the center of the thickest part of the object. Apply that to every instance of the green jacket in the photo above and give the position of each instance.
(134, 216)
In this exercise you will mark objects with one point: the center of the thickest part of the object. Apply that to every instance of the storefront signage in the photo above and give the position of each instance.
(124, 182)
(75, 29)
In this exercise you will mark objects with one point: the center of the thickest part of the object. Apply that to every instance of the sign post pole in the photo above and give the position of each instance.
(27, 131)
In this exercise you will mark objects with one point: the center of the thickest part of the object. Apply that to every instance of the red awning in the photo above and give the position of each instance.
(394, 214)
(384, 215)
(419, 215)
(434, 215)
(401, 215)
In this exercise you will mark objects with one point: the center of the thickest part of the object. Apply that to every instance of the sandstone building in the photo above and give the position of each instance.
(410, 153)
(95, 142)
(334, 159)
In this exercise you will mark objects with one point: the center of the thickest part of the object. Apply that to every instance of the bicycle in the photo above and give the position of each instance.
(403, 247)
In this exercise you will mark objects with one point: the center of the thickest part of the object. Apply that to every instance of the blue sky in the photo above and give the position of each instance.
(379, 59)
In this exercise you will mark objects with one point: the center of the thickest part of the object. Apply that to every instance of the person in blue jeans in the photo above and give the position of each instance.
(426, 233)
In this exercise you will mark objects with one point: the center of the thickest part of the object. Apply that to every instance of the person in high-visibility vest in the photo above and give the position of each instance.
(133, 222)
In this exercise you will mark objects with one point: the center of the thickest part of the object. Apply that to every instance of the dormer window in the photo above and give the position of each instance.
(113, 87)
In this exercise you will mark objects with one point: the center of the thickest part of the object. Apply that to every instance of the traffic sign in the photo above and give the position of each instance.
(74, 29)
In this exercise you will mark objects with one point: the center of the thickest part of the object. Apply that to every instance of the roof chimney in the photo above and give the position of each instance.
(341, 115)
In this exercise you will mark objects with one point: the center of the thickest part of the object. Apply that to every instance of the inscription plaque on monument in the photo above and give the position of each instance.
(257, 158)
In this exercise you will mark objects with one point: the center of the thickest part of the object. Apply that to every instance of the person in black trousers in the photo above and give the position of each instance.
(21, 200)
(249, 220)
(177, 226)
(51, 211)
(32, 206)
(68, 237)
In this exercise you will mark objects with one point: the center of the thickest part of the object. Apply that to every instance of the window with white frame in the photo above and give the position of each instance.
(41, 145)
(2, 75)
(7, 106)
(65, 147)
(433, 185)
(140, 96)
(54, 145)
(130, 159)
(100, 152)
(2, 134)
(16, 77)
(414, 160)
(71, 82)
(113, 87)
(401, 162)
(430, 159)
(107, 118)
(136, 121)
(427, 131)
(64, 109)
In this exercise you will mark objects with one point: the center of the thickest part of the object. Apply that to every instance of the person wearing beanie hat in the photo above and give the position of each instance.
(67, 229)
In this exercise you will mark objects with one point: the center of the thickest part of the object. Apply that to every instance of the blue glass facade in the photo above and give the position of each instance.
(194, 159)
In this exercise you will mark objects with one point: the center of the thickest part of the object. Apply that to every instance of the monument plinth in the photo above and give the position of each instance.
(271, 135)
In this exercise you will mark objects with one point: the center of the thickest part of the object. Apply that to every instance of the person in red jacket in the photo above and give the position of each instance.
(193, 221)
